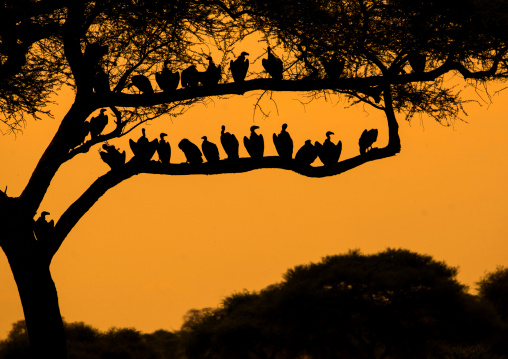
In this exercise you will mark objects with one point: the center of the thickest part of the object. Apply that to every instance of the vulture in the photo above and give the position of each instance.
(239, 67)
(98, 123)
(417, 61)
(163, 149)
(142, 83)
(112, 156)
(255, 145)
(167, 79)
(333, 67)
(366, 140)
(190, 76)
(191, 152)
(273, 65)
(43, 229)
(306, 154)
(210, 150)
(283, 143)
(229, 143)
(329, 152)
(212, 75)
(101, 82)
(94, 53)
(143, 149)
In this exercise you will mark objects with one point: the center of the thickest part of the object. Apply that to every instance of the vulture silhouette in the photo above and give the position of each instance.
(417, 61)
(190, 76)
(101, 82)
(43, 229)
(273, 65)
(229, 143)
(210, 150)
(142, 83)
(191, 152)
(98, 123)
(333, 67)
(166, 79)
(328, 152)
(239, 67)
(255, 145)
(212, 75)
(306, 154)
(94, 52)
(112, 156)
(366, 140)
(164, 149)
(143, 149)
(283, 143)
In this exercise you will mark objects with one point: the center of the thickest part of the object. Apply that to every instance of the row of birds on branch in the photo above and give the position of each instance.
(144, 149)
(168, 80)
(190, 77)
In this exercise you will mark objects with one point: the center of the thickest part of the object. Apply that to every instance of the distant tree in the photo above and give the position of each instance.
(16, 346)
(392, 54)
(493, 287)
(394, 304)
(86, 342)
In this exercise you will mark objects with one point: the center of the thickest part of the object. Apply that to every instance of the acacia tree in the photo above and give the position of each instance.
(396, 54)
(393, 304)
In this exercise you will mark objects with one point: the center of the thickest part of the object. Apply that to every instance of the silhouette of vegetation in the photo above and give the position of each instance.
(393, 304)
(86, 342)
(394, 55)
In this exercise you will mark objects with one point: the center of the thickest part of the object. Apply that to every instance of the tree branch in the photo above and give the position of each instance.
(359, 84)
(83, 204)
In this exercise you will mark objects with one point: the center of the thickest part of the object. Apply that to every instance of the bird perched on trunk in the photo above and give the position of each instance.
(212, 75)
(273, 65)
(191, 152)
(190, 76)
(98, 123)
(255, 145)
(283, 143)
(239, 67)
(210, 150)
(94, 52)
(306, 154)
(166, 79)
(329, 152)
(101, 82)
(164, 149)
(112, 156)
(333, 67)
(142, 83)
(229, 143)
(417, 61)
(43, 229)
(143, 149)
(367, 139)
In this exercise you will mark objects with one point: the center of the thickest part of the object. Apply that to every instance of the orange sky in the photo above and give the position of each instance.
(156, 246)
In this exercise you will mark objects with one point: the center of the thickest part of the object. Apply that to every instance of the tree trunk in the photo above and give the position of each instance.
(29, 262)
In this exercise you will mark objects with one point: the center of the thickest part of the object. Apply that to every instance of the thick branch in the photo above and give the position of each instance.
(78, 209)
(359, 84)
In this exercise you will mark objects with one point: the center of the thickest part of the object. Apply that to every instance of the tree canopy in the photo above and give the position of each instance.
(395, 304)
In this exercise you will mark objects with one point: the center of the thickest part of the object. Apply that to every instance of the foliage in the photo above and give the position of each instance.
(493, 287)
(86, 342)
(395, 303)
